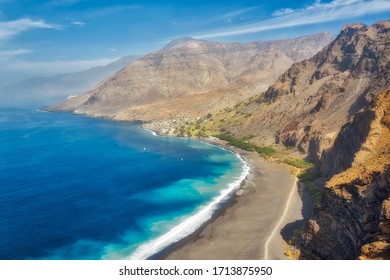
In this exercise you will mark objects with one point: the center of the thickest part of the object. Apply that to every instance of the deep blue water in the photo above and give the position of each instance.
(73, 187)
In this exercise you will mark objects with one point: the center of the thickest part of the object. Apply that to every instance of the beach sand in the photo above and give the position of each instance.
(240, 229)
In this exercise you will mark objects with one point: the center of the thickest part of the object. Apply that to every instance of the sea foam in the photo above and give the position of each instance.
(151, 131)
(191, 224)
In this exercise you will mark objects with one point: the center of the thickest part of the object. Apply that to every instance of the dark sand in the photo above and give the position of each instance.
(241, 228)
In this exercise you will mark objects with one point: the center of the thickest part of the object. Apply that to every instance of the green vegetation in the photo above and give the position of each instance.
(307, 178)
(247, 146)
(299, 163)
(249, 137)
(308, 175)
(216, 122)
(295, 235)
(266, 151)
(236, 142)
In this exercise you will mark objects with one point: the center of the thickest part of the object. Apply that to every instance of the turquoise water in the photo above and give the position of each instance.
(72, 187)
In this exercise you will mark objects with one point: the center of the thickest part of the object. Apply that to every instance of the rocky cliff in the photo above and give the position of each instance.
(309, 103)
(353, 220)
(190, 77)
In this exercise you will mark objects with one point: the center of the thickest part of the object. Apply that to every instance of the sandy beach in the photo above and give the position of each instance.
(242, 227)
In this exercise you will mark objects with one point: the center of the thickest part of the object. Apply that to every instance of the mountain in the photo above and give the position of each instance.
(181, 43)
(335, 107)
(44, 90)
(353, 220)
(190, 77)
(307, 105)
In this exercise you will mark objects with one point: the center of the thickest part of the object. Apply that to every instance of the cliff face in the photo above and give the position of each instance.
(191, 77)
(353, 220)
(309, 103)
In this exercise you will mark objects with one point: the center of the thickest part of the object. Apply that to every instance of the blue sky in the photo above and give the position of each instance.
(55, 36)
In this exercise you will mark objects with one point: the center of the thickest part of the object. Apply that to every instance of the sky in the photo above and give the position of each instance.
(43, 38)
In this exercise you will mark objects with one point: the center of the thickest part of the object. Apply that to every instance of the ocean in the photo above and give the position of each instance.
(73, 187)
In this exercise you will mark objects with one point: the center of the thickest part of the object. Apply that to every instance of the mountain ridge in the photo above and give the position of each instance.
(198, 77)
(308, 104)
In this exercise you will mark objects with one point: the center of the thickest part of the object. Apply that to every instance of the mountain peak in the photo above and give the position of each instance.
(181, 42)
(353, 28)
(382, 24)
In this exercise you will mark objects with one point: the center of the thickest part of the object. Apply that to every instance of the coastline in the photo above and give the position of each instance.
(181, 231)
(242, 226)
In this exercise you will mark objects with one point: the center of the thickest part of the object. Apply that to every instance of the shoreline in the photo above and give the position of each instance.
(243, 219)
(239, 229)
(192, 224)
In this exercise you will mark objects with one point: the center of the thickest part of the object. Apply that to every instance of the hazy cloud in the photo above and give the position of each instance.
(53, 66)
(9, 29)
(77, 22)
(316, 13)
(234, 14)
(7, 54)
(283, 12)
(16, 70)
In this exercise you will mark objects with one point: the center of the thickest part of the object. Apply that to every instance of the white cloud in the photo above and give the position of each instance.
(74, 21)
(235, 14)
(79, 23)
(316, 13)
(230, 15)
(7, 54)
(10, 29)
(283, 12)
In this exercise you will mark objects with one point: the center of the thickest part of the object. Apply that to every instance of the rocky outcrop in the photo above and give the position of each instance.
(190, 77)
(307, 105)
(353, 219)
(348, 143)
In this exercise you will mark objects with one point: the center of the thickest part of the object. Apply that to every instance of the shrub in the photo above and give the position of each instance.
(266, 151)
(307, 178)
(299, 163)
(247, 146)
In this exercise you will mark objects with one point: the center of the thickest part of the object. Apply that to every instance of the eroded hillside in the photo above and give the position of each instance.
(313, 99)
(190, 78)
(353, 220)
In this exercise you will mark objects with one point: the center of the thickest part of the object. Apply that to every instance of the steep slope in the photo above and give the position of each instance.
(191, 77)
(309, 103)
(353, 220)
(43, 90)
